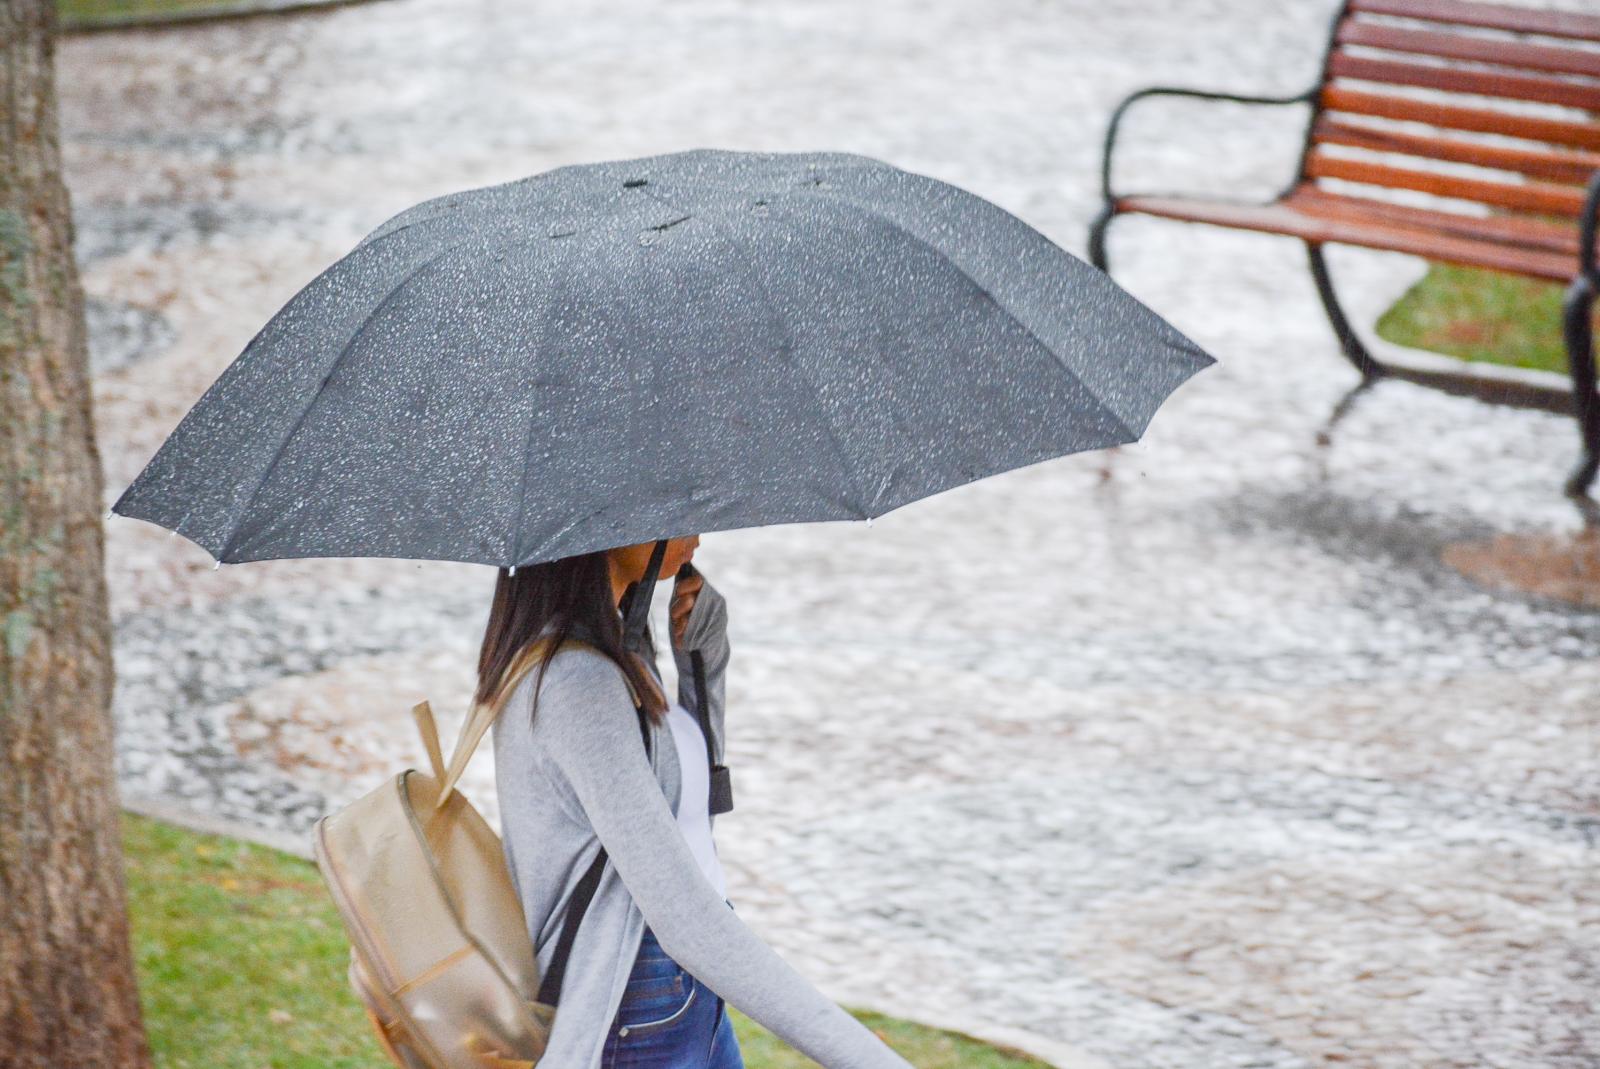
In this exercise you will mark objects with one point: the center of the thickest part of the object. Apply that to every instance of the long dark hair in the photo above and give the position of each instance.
(571, 597)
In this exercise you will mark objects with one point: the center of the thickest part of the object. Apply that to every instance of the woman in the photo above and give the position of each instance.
(660, 947)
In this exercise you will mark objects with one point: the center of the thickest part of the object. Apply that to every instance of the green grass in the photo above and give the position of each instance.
(1481, 315)
(241, 955)
(88, 14)
(241, 959)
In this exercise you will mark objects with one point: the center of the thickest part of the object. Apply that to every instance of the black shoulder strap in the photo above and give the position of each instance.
(550, 986)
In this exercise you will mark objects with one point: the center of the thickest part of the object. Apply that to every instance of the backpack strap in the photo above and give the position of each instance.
(477, 721)
(480, 717)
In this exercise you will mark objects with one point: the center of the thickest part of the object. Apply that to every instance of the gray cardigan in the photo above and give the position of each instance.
(574, 776)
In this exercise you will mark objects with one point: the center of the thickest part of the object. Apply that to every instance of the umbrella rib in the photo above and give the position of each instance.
(527, 452)
(751, 277)
(311, 402)
(554, 538)
(925, 243)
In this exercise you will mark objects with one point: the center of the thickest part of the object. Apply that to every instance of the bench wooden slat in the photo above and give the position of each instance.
(1531, 87)
(1570, 167)
(1506, 53)
(1528, 197)
(1282, 218)
(1455, 116)
(1509, 229)
(1488, 16)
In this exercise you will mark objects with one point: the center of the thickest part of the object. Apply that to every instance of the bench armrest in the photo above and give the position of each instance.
(1162, 90)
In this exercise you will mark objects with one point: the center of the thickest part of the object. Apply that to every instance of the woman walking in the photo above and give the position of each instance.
(660, 948)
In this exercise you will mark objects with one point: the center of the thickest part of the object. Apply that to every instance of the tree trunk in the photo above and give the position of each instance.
(68, 995)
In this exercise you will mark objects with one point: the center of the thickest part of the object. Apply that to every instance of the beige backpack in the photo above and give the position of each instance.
(439, 949)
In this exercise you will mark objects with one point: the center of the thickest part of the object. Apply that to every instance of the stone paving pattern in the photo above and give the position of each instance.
(1192, 752)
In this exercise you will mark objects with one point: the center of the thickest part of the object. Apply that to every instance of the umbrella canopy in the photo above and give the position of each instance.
(618, 352)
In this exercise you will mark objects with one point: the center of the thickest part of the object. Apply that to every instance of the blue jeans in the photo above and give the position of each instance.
(668, 1019)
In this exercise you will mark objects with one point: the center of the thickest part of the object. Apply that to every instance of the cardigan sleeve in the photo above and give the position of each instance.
(589, 731)
(705, 630)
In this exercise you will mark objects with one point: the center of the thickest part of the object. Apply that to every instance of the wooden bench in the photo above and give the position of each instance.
(1484, 65)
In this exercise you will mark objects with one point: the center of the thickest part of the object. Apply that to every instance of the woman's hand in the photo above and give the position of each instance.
(685, 588)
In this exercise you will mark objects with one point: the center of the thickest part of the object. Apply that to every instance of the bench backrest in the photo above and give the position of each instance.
(1493, 66)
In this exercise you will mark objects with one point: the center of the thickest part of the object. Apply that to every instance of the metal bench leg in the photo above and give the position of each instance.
(1353, 349)
(1578, 331)
(1341, 410)
(1097, 236)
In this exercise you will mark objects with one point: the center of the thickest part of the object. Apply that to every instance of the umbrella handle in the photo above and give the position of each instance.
(636, 603)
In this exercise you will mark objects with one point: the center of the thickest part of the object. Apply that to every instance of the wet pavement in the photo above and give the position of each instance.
(1193, 752)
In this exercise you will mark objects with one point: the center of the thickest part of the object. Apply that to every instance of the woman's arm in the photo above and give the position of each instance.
(589, 732)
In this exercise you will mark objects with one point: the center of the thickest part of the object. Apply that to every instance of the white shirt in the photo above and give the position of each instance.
(694, 818)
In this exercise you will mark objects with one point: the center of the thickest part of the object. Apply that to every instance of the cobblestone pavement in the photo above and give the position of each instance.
(1187, 753)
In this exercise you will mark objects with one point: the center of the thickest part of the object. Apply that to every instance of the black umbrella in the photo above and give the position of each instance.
(634, 350)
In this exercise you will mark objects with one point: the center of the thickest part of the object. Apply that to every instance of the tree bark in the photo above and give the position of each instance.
(68, 994)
